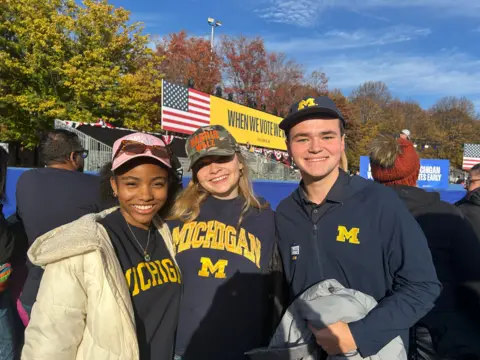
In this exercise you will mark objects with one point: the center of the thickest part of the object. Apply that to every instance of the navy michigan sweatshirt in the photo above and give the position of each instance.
(229, 274)
(364, 237)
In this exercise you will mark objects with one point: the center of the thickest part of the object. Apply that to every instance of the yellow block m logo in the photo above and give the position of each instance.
(208, 268)
(306, 103)
(350, 235)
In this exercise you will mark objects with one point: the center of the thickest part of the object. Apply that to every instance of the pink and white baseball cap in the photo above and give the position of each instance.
(145, 139)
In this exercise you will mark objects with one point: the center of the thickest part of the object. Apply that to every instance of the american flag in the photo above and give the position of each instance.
(184, 110)
(471, 155)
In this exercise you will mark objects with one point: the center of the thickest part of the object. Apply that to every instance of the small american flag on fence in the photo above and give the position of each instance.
(471, 155)
(184, 110)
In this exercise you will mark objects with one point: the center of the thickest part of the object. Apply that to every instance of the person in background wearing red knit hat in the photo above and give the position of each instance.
(447, 332)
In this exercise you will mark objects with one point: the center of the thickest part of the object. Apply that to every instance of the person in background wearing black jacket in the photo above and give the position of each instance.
(53, 196)
(470, 204)
(445, 332)
(7, 327)
(470, 208)
(225, 244)
(353, 230)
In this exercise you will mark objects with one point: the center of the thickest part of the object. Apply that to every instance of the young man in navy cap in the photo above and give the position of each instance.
(353, 230)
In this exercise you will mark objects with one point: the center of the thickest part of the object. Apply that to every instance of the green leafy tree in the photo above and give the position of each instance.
(80, 62)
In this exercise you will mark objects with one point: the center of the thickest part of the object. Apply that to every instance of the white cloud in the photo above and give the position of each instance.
(150, 20)
(371, 16)
(294, 12)
(305, 13)
(443, 7)
(447, 72)
(441, 74)
(338, 39)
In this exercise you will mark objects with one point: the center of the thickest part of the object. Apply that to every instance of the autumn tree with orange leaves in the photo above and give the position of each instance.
(287, 84)
(189, 58)
(245, 68)
(281, 77)
(266, 80)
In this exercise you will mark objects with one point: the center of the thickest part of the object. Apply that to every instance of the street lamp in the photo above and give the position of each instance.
(213, 23)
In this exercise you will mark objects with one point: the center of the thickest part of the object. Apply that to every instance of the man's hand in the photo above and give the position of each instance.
(335, 339)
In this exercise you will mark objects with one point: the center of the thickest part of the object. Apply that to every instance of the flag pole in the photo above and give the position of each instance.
(161, 109)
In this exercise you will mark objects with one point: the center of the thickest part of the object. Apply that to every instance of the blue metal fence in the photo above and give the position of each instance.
(272, 191)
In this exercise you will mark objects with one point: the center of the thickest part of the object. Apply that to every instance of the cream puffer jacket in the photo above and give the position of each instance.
(83, 309)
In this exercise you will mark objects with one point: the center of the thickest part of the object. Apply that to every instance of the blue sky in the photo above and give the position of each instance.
(422, 49)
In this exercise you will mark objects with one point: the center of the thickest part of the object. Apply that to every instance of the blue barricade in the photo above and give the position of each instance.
(272, 191)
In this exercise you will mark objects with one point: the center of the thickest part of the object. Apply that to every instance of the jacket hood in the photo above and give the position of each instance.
(76, 238)
(415, 198)
(344, 188)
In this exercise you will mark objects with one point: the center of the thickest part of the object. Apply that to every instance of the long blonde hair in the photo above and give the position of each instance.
(187, 205)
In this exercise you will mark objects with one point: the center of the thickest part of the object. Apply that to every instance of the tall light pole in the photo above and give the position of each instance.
(213, 23)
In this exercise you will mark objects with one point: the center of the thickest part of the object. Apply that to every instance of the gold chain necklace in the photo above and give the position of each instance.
(146, 256)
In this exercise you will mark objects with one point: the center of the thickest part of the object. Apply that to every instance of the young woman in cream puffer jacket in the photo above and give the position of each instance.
(88, 280)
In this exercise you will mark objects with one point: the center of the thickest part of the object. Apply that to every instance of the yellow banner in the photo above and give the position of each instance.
(247, 125)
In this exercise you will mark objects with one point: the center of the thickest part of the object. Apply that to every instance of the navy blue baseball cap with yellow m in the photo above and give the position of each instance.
(309, 107)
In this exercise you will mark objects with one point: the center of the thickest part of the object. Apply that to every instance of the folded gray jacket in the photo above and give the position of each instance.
(321, 305)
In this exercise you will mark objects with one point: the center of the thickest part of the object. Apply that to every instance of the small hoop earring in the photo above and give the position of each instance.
(115, 194)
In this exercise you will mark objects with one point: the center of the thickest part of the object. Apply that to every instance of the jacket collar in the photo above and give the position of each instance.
(473, 197)
(79, 237)
(337, 193)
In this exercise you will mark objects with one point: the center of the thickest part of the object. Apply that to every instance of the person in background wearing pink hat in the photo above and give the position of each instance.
(455, 253)
(112, 287)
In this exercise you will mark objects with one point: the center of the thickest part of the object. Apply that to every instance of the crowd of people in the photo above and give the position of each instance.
(128, 265)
